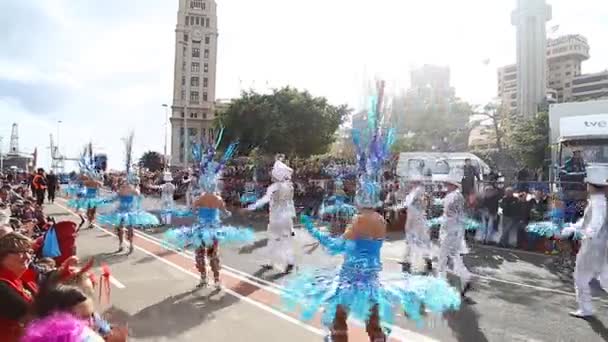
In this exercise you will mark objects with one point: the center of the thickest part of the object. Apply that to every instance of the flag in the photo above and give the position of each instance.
(554, 29)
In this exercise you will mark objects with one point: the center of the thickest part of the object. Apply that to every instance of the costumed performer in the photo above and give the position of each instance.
(339, 211)
(128, 213)
(359, 288)
(167, 201)
(89, 200)
(279, 195)
(417, 236)
(591, 260)
(452, 233)
(208, 233)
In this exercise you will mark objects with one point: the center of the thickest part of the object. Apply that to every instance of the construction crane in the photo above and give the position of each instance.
(57, 159)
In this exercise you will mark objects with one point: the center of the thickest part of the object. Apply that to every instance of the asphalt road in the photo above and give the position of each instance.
(517, 296)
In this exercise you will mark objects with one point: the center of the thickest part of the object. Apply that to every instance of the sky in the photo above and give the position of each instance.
(103, 68)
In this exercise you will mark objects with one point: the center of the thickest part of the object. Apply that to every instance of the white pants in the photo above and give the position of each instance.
(166, 218)
(590, 264)
(280, 248)
(446, 253)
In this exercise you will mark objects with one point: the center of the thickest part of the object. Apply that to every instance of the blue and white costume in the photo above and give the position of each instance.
(128, 213)
(359, 285)
(338, 205)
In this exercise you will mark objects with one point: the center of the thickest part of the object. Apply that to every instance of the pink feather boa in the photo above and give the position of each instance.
(59, 327)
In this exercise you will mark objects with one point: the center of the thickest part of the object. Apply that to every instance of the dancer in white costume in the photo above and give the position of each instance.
(417, 235)
(451, 236)
(167, 203)
(593, 228)
(280, 250)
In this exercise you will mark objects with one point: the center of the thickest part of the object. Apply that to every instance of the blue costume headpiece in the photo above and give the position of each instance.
(132, 178)
(373, 149)
(87, 163)
(209, 169)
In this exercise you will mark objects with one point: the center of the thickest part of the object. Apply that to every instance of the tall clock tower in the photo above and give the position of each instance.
(193, 109)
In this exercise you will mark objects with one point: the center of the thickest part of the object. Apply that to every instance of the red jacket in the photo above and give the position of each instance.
(26, 288)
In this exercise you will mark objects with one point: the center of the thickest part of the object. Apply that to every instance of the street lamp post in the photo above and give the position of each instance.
(166, 120)
(1, 156)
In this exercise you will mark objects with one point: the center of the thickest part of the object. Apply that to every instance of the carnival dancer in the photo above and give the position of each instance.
(337, 208)
(359, 288)
(208, 233)
(279, 195)
(452, 234)
(593, 228)
(128, 214)
(417, 236)
(167, 202)
(89, 200)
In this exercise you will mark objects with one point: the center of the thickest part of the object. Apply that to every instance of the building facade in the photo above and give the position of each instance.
(565, 55)
(194, 80)
(590, 86)
(507, 87)
(564, 58)
(530, 19)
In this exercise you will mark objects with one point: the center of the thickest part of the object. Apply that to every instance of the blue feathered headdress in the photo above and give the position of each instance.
(87, 163)
(210, 169)
(132, 178)
(373, 149)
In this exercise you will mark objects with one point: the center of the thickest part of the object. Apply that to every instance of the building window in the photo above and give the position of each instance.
(197, 4)
(204, 96)
(207, 40)
(183, 80)
(204, 115)
(568, 73)
(206, 53)
(187, 20)
(194, 81)
(194, 96)
(196, 52)
(207, 22)
(185, 37)
(196, 67)
(206, 67)
(191, 21)
(197, 21)
(567, 85)
(205, 82)
(183, 97)
(184, 66)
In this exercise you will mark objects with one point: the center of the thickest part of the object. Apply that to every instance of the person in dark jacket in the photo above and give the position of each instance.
(510, 219)
(470, 174)
(489, 213)
(52, 183)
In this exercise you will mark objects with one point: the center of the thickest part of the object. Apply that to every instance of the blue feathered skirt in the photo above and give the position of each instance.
(198, 235)
(73, 190)
(327, 289)
(140, 219)
(86, 203)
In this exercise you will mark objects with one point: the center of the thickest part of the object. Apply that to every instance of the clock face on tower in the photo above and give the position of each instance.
(197, 34)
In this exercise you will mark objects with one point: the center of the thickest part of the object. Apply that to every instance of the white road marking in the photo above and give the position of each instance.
(117, 283)
(398, 332)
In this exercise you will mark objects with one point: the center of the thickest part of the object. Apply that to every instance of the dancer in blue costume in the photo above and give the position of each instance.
(128, 213)
(337, 208)
(208, 233)
(89, 198)
(359, 288)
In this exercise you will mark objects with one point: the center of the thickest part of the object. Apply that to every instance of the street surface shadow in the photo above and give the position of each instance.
(256, 245)
(176, 314)
(598, 327)
(464, 324)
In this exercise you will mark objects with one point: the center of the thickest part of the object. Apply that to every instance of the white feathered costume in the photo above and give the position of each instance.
(280, 250)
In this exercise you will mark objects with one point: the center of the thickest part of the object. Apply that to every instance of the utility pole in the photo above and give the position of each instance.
(166, 159)
(1, 156)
